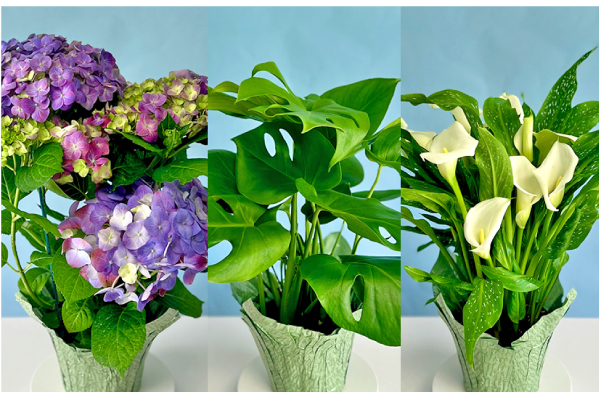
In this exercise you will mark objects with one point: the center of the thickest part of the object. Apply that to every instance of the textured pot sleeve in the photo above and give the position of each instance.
(297, 359)
(502, 369)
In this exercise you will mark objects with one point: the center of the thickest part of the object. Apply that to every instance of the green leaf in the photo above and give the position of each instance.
(481, 312)
(69, 281)
(82, 188)
(47, 161)
(386, 148)
(512, 281)
(129, 168)
(118, 334)
(494, 166)
(78, 315)
(417, 274)
(4, 254)
(381, 195)
(56, 189)
(40, 259)
(562, 241)
(9, 189)
(558, 104)
(256, 246)
(137, 140)
(181, 299)
(245, 290)
(184, 170)
(381, 310)
(40, 220)
(589, 213)
(352, 171)
(516, 306)
(371, 96)
(503, 121)
(37, 279)
(221, 172)
(440, 203)
(554, 298)
(267, 179)
(342, 247)
(581, 119)
(364, 217)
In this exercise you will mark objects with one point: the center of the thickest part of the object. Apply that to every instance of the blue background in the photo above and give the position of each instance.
(146, 42)
(485, 52)
(316, 49)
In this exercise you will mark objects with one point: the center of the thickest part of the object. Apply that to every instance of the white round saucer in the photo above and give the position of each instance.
(360, 377)
(156, 377)
(555, 377)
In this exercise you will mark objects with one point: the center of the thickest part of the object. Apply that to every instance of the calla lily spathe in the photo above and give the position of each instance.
(528, 188)
(423, 138)
(555, 172)
(460, 116)
(523, 138)
(546, 139)
(482, 224)
(447, 147)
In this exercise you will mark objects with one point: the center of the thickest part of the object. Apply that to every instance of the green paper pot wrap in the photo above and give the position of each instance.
(80, 370)
(297, 359)
(505, 369)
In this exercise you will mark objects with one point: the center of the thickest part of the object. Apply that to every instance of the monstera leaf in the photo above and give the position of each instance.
(386, 148)
(351, 126)
(267, 179)
(364, 217)
(381, 310)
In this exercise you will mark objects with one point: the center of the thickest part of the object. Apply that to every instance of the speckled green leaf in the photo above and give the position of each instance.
(512, 281)
(481, 312)
(503, 121)
(558, 104)
(118, 334)
(494, 166)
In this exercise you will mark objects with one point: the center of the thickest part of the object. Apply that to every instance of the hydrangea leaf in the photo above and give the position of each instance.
(371, 96)
(364, 217)
(37, 279)
(40, 259)
(333, 281)
(69, 281)
(181, 299)
(558, 104)
(137, 140)
(78, 315)
(184, 170)
(40, 220)
(128, 169)
(481, 312)
(47, 161)
(267, 179)
(118, 334)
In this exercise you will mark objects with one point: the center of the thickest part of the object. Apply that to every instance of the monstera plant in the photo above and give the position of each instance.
(306, 279)
(504, 200)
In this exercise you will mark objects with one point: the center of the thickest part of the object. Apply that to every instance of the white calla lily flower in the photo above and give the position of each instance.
(523, 138)
(515, 102)
(482, 224)
(403, 124)
(447, 147)
(423, 138)
(555, 172)
(460, 116)
(528, 188)
(546, 139)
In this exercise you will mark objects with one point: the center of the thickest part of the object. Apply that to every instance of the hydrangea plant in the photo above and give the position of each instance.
(144, 218)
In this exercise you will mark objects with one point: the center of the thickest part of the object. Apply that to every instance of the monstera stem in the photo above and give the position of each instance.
(286, 314)
(49, 251)
(376, 180)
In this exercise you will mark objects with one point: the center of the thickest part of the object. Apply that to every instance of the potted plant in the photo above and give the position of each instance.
(304, 295)
(103, 279)
(504, 201)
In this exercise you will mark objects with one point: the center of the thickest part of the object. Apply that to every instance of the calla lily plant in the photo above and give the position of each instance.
(479, 184)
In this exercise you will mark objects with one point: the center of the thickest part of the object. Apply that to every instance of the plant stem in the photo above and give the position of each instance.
(320, 243)
(531, 240)
(355, 246)
(376, 180)
(316, 210)
(338, 238)
(261, 294)
(286, 304)
(519, 234)
(49, 251)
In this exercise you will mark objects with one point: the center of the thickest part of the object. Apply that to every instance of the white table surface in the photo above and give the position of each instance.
(427, 343)
(204, 354)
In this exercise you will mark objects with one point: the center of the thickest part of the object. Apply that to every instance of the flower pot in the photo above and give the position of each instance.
(505, 369)
(297, 359)
(82, 373)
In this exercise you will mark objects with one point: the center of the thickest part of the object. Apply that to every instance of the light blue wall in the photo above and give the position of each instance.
(146, 42)
(316, 49)
(485, 52)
